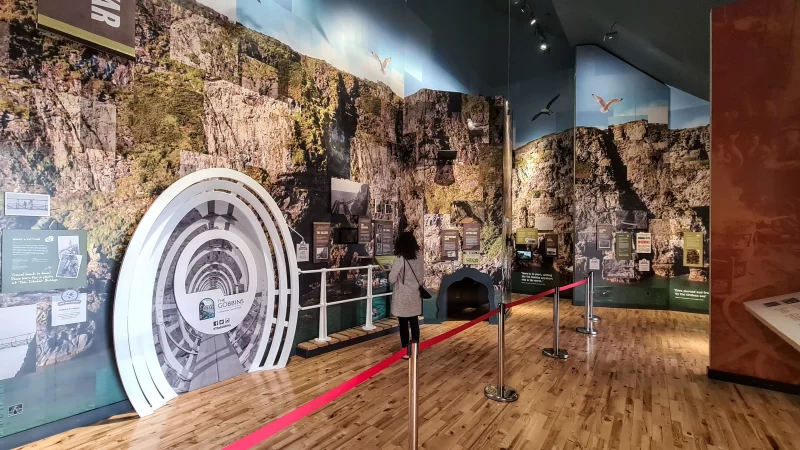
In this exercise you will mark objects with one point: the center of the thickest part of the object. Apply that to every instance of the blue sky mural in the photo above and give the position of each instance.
(357, 36)
(687, 111)
(627, 93)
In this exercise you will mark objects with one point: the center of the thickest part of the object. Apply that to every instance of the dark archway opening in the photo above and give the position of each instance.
(467, 299)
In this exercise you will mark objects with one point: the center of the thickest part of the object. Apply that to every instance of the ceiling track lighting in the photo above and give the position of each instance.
(611, 33)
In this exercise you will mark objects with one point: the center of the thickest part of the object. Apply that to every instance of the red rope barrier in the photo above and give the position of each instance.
(290, 418)
(573, 285)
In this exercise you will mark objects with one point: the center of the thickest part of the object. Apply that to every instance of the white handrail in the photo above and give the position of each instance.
(323, 299)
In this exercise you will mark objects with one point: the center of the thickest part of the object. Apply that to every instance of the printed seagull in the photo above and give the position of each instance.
(547, 109)
(475, 127)
(383, 63)
(604, 107)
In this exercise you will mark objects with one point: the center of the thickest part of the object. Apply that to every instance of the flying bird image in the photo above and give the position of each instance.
(547, 109)
(604, 107)
(384, 63)
(475, 127)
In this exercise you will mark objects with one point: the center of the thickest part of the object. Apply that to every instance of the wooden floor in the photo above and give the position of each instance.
(640, 384)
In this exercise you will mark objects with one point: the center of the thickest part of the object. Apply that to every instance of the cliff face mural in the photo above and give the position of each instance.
(756, 186)
(104, 137)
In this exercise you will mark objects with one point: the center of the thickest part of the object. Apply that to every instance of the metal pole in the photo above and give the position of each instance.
(587, 327)
(591, 298)
(368, 324)
(323, 307)
(500, 392)
(413, 432)
(556, 352)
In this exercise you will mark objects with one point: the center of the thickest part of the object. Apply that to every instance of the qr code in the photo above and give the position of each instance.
(15, 410)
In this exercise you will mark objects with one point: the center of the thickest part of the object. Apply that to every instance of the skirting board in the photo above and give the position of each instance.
(754, 382)
(59, 426)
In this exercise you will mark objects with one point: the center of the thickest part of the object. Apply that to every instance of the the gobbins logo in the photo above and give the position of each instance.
(207, 309)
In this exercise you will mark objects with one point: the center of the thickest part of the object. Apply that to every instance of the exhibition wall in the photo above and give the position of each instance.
(755, 192)
(99, 137)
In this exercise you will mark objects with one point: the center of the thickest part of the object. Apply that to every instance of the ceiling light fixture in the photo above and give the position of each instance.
(543, 46)
(533, 20)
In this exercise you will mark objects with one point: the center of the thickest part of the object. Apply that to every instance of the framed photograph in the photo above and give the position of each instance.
(21, 204)
(349, 198)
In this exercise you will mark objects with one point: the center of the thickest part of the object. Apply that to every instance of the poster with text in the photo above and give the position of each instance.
(103, 24)
(384, 238)
(43, 260)
(471, 259)
(545, 223)
(624, 250)
(472, 236)
(322, 241)
(527, 236)
(644, 265)
(449, 245)
(551, 244)
(644, 243)
(605, 234)
(303, 252)
(364, 230)
(68, 308)
(692, 249)
(594, 264)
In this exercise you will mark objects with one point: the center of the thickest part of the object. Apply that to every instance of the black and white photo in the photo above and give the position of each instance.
(22, 204)
(349, 198)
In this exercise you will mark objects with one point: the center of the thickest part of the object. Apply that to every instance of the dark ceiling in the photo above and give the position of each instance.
(668, 39)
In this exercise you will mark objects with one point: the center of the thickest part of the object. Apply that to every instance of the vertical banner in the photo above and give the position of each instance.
(624, 250)
(364, 230)
(527, 236)
(692, 249)
(384, 238)
(449, 245)
(472, 237)
(605, 234)
(644, 243)
(322, 241)
(551, 244)
(106, 25)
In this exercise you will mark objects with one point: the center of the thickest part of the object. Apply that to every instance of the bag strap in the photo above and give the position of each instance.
(412, 271)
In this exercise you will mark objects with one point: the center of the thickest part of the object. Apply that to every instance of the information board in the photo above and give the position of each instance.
(449, 245)
(322, 241)
(605, 234)
(527, 236)
(624, 250)
(43, 260)
(692, 249)
(644, 243)
(472, 237)
(551, 244)
(384, 238)
(364, 230)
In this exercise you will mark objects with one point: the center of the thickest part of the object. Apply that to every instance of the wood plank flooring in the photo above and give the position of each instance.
(640, 384)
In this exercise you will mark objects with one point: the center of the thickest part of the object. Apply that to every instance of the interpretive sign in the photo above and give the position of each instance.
(384, 238)
(594, 264)
(449, 245)
(322, 241)
(364, 230)
(644, 243)
(472, 237)
(692, 249)
(68, 308)
(471, 259)
(303, 252)
(644, 265)
(551, 244)
(107, 25)
(527, 236)
(605, 233)
(624, 250)
(43, 260)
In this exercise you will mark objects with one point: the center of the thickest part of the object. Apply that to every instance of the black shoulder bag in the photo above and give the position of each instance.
(423, 293)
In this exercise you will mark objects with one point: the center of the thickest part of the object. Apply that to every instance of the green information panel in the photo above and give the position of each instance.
(624, 247)
(527, 236)
(43, 260)
(692, 249)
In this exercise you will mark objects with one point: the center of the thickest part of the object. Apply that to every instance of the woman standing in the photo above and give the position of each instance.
(406, 276)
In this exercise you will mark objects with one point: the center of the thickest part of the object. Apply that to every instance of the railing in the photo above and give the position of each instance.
(16, 341)
(323, 299)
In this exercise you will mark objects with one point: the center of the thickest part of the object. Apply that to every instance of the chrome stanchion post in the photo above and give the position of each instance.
(588, 326)
(413, 432)
(591, 298)
(556, 352)
(500, 392)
